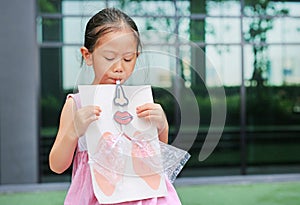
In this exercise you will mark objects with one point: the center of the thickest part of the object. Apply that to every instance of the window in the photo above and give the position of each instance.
(248, 49)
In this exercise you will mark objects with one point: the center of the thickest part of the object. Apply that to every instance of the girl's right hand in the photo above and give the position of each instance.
(84, 117)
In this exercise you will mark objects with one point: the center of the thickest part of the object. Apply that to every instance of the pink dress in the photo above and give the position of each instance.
(81, 189)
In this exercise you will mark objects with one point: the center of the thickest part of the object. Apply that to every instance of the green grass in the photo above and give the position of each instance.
(287, 193)
(250, 194)
(33, 198)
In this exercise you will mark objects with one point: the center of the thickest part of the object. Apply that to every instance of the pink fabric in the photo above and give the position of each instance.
(81, 189)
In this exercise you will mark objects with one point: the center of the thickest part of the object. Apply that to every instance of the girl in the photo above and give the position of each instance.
(111, 47)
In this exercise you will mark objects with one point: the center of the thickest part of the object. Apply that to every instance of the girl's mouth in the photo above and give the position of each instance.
(123, 118)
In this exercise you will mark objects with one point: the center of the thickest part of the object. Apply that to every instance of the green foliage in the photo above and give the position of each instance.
(47, 6)
(51, 107)
(270, 105)
(167, 101)
(233, 109)
(263, 12)
(265, 105)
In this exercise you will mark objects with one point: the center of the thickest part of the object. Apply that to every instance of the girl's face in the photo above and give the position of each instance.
(113, 58)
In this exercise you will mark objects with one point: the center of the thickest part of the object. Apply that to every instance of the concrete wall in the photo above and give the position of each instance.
(19, 86)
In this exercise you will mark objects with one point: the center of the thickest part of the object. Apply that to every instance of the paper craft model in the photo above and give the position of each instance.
(127, 160)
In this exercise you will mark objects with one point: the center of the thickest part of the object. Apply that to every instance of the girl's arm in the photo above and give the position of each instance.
(61, 155)
(154, 113)
(163, 133)
(73, 124)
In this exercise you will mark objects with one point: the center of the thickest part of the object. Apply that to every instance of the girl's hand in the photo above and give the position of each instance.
(84, 117)
(155, 114)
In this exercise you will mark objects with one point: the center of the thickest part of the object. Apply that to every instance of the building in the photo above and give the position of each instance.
(247, 50)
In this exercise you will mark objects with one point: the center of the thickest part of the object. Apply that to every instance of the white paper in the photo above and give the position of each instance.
(119, 172)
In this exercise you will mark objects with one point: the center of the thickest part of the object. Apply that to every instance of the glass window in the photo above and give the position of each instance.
(48, 6)
(292, 7)
(72, 73)
(270, 63)
(279, 65)
(80, 8)
(144, 8)
(49, 30)
(222, 30)
(155, 65)
(223, 8)
(225, 64)
(285, 30)
(73, 30)
(265, 8)
(183, 28)
(183, 8)
(275, 30)
(154, 23)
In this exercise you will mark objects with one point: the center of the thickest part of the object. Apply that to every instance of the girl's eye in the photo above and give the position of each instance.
(128, 58)
(109, 58)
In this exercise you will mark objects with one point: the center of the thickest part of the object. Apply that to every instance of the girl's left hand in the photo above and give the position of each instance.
(155, 114)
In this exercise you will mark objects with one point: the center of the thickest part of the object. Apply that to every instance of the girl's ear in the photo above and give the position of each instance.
(87, 56)
(137, 54)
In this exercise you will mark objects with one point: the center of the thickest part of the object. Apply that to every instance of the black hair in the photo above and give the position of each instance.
(105, 21)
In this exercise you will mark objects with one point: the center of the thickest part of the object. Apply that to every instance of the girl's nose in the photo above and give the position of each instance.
(118, 68)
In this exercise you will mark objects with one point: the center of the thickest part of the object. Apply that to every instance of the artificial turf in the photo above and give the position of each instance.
(245, 194)
(279, 193)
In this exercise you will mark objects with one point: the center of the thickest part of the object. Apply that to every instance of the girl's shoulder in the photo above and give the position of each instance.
(72, 103)
(76, 98)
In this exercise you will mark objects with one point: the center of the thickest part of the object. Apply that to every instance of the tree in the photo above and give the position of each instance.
(263, 12)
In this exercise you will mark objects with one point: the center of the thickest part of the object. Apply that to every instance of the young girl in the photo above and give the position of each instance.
(111, 47)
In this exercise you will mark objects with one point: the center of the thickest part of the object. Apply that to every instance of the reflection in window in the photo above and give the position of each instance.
(226, 61)
(220, 8)
(80, 8)
(222, 30)
(270, 46)
(282, 67)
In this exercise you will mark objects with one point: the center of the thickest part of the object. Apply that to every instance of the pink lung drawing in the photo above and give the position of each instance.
(124, 154)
